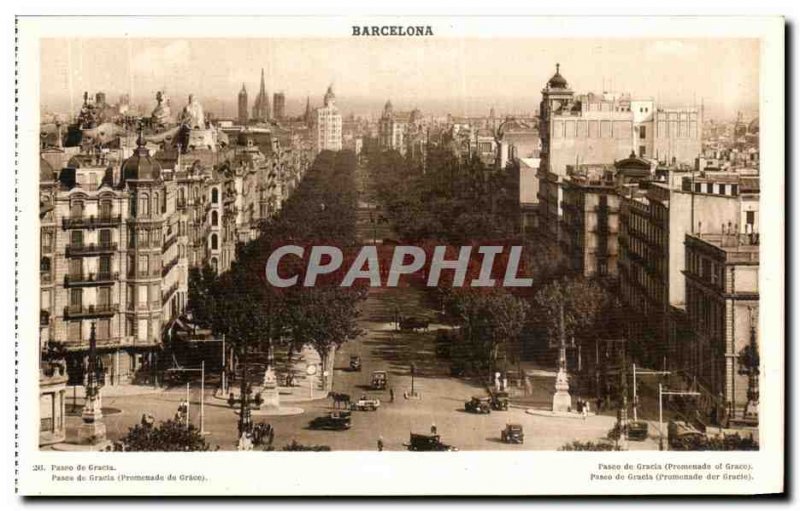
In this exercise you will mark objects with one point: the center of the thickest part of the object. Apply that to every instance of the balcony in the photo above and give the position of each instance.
(168, 243)
(90, 279)
(90, 311)
(168, 267)
(91, 222)
(90, 249)
(166, 295)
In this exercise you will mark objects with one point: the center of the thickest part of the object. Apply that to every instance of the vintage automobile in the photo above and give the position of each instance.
(336, 420)
(418, 442)
(355, 363)
(413, 324)
(682, 432)
(478, 405)
(499, 400)
(379, 380)
(364, 405)
(512, 434)
(637, 431)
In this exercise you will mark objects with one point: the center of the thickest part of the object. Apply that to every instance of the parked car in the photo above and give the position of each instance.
(679, 432)
(336, 420)
(379, 380)
(364, 405)
(478, 405)
(499, 400)
(418, 442)
(512, 434)
(355, 363)
(413, 324)
(637, 430)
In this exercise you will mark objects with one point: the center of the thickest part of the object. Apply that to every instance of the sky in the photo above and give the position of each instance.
(438, 75)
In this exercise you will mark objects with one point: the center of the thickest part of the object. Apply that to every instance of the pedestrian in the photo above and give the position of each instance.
(380, 444)
(598, 404)
(433, 428)
(585, 410)
(391, 395)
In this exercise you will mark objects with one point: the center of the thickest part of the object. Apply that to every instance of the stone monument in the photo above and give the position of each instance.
(270, 397)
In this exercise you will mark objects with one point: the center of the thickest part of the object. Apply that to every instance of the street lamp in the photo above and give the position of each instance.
(413, 371)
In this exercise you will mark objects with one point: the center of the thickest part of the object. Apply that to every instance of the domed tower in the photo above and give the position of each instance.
(330, 97)
(555, 95)
(243, 118)
(147, 201)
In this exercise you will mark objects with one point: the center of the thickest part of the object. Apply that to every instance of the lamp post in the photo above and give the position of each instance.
(93, 430)
(413, 372)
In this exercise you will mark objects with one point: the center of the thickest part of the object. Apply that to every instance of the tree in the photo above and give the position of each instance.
(570, 308)
(170, 435)
(492, 319)
(322, 317)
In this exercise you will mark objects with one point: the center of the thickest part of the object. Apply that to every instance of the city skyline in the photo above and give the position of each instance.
(459, 76)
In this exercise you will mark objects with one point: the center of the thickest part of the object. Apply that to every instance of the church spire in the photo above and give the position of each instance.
(263, 89)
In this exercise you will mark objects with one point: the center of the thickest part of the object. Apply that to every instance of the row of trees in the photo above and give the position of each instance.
(244, 307)
(464, 202)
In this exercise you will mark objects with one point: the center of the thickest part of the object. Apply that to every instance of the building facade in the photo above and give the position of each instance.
(722, 307)
(391, 130)
(242, 116)
(326, 125)
(279, 106)
(122, 225)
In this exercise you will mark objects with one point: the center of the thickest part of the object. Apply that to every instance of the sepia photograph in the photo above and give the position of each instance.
(401, 239)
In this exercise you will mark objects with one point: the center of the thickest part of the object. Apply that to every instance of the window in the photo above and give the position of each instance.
(76, 238)
(104, 296)
(642, 151)
(709, 187)
(214, 196)
(47, 241)
(104, 329)
(75, 267)
(697, 187)
(642, 131)
(751, 218)
(214, 242)
(214, 218)
(104, 265)
(105, 237)
(74, 331)
(105, 209)
(76, 298)
(76, 210)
